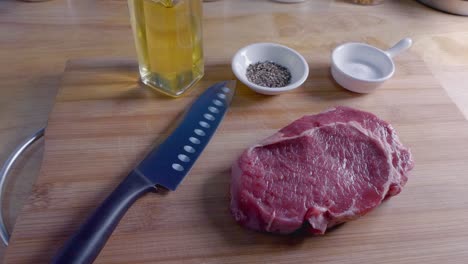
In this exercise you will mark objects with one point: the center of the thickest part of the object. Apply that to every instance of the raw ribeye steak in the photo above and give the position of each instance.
(319, 171)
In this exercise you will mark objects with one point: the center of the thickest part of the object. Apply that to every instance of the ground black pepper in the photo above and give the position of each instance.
(268, 74)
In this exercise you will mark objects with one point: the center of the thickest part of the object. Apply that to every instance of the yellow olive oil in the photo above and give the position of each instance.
(168, 37)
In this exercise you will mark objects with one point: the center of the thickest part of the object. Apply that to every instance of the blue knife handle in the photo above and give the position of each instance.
(84, 246)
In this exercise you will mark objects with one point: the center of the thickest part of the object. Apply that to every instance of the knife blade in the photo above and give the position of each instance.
(177, 154)
(164, 166)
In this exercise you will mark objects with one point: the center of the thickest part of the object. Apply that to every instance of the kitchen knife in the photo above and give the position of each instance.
(165, 166)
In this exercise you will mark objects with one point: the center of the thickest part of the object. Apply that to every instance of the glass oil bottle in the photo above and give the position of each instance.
(168, 38)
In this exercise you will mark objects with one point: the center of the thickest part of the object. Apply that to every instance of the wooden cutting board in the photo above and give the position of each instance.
(103, 123)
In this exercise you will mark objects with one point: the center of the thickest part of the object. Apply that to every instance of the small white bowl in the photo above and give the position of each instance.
(362, 68)
(280, 54)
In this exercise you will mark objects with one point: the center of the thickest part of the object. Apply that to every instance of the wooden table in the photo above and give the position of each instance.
(38, 38)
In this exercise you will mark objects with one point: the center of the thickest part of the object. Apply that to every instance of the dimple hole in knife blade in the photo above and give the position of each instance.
(213, 110)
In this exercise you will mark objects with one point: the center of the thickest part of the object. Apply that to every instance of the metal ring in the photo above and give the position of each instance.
(4, 173)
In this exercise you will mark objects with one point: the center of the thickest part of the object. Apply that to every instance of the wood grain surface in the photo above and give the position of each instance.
(103, 122)
(38, 38)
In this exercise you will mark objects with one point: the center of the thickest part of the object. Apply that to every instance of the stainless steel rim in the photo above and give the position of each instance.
(4, 174)
(457, 7)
